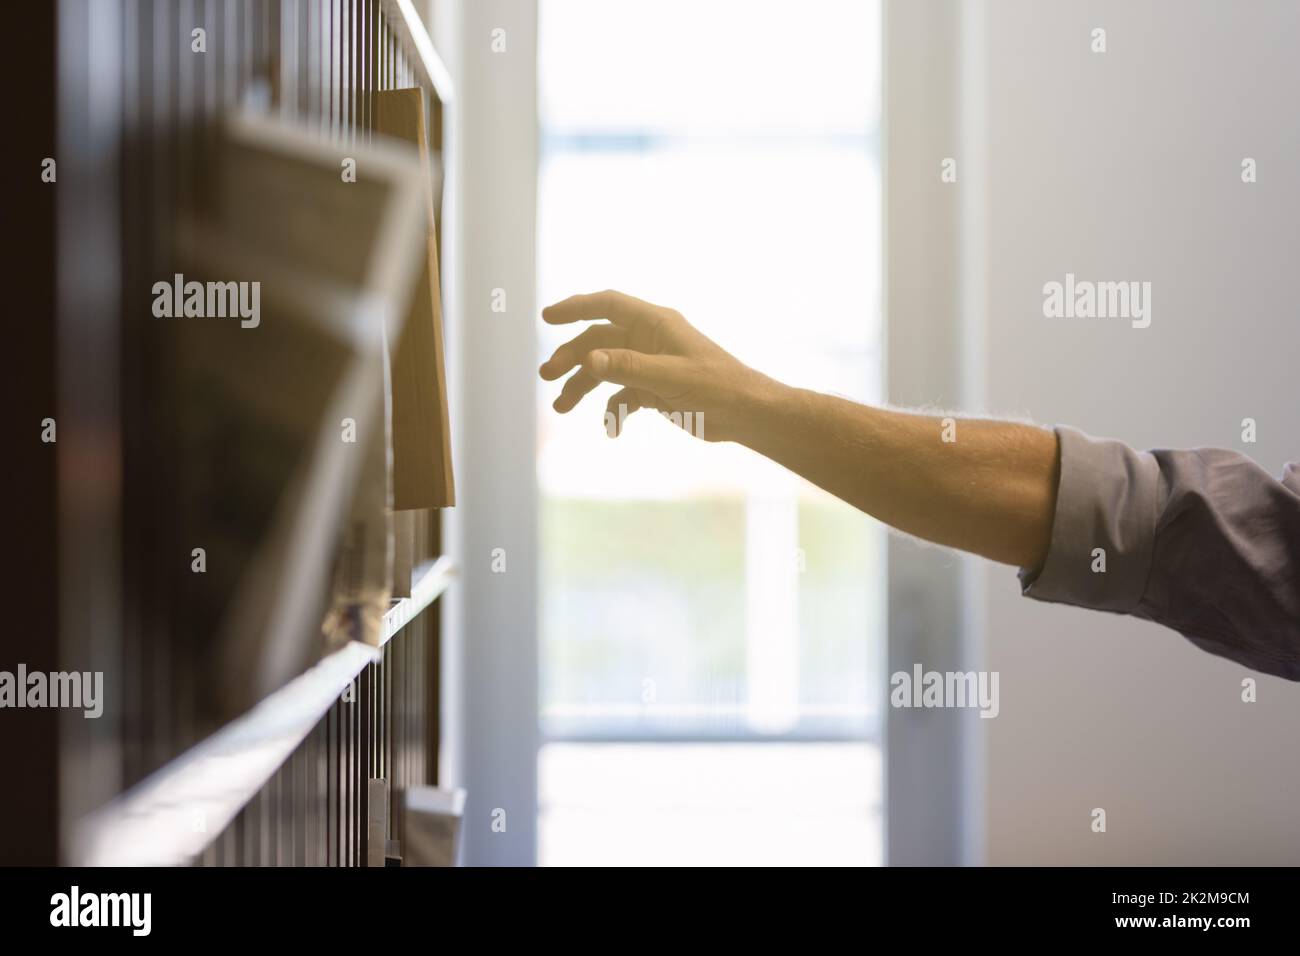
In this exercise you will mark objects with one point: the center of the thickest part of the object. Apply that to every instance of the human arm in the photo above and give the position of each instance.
(982, 486)
(1203, 541)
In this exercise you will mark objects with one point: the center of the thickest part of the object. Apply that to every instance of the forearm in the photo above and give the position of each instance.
(1208, 532)
(991, 490)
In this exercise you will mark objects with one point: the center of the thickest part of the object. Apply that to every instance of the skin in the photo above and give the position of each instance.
(991, 492)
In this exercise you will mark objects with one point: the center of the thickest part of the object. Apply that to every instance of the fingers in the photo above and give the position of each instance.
(572, 352)
(619, 407)
(619, 308)
(575, 389)
(601, 353)
(659, 376)
(666, 376)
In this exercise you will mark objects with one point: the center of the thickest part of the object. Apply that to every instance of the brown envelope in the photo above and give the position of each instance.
(422, 473)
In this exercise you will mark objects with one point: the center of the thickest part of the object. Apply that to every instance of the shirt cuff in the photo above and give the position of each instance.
(1108, 498)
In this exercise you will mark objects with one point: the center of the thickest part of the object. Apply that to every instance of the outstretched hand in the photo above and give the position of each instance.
(661, 361)
(992, 492)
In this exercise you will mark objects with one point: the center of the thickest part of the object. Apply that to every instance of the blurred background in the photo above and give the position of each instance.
(658, 650)
(773, 171)
(710, 626)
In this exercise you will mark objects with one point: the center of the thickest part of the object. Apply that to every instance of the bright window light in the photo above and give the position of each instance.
(721, 158)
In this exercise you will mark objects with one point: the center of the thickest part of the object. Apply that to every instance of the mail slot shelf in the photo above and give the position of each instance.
(158, 779)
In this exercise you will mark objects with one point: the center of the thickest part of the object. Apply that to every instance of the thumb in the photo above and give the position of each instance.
(664, 375)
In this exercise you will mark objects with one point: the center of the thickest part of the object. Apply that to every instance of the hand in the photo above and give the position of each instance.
(661, 361)
(992, 493)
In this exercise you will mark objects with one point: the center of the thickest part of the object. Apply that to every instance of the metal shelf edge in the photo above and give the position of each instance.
(430, 583)
(170, 817)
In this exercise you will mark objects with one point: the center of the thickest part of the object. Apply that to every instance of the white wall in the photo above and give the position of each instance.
(1126, 165)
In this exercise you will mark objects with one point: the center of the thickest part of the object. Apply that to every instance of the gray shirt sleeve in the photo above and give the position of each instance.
(1203, 541)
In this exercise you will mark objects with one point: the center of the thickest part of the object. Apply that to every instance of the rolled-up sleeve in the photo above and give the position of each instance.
(1203, 541)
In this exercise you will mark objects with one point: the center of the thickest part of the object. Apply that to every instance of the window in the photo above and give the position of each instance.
(701, 607)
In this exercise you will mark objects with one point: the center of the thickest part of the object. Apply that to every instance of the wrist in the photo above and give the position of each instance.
(763, 409)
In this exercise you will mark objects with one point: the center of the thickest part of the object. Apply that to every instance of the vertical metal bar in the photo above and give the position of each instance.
(311, 803)
(235, 15)
(312, 62)
(302, 801)
(407, 707)
(251, 830)
(340, 84)
(304, 60)
(349, 795)
(362, 58)
(413, 699)
(267, 66)
(355, 768)
(390, 83)
(329, 790)
(137, 181)
(340, 781)
(247, 14)
(372, 71)
(407, 710)
(238, 834)
(263, 845)
(326, 102)
(377, 721)
(371, 16)
(274, 816)
(381, 51)
(345, 792)
(327, 67)
(229, 846)
(393, 706)
(211, 59)
(335, 83)
(321, 836)
(345, 74)
(288, 58)
(305, 805)
(361, 769)
(433, 695)
(337, 791)
(228, 52)
(286, 819)
(186, 64)
(165, 166)
(372, 764)
(358, 67)
(354, 69)
(386, 716)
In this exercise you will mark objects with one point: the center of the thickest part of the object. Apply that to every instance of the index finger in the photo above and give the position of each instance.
(618, 307)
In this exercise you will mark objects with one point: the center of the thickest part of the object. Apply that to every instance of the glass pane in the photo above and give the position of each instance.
(710, 805)
(710, 67)
(692, 589)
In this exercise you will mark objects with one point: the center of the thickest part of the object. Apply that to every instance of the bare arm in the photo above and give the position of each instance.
(990, 488)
